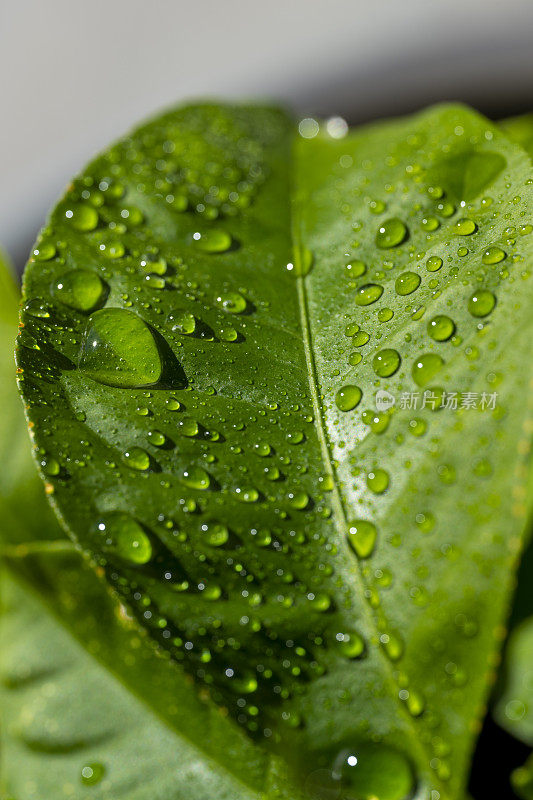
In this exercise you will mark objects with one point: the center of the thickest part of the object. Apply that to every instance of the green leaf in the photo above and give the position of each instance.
(333, 576)
(79, 686)
(520, 130)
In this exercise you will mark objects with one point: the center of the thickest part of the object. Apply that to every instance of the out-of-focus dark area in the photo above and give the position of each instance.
(75, 75)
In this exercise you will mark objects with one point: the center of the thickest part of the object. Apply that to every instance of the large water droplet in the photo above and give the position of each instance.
(81, 216)
(441, 327)
(493, 255)
(392, 233)
(481, 303)
(119, 349)
(213, 241)
(465, 227)
(374, 772)
(362, 536)
(348, 397)
(407, 282)
(368, 294)
(231, 302)
(426, 367)
(386, 362)
(125, 537)
(79, 289)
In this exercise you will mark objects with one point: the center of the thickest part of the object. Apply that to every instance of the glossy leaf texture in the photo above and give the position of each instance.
(214, 311)
(88, 707)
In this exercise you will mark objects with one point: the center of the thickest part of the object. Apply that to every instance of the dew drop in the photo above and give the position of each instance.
(377, 481)
(231, 302)
(368, 294)
(433, 264)
(374, 772)
(407, 283)
(386, 362)
(348, 397)
(79, 289)
(119, 349)
(92, 773)
(441, 327)
(196, 478)
(182, 321)
(350, 645)
(215, 534)
(481, 303)
(355, 269)
(426, 367)
(362, 536)
(493, 255)
(136, 458)
(464, 227)
(45, 251)
(125, 537)
(82, 217)
(212, 241)
(392, 233)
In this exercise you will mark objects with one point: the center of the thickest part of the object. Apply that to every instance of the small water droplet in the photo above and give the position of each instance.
(433, 264)
(136, 458)
(82, 217)
(196, 478)
(92, 773)
(215, 534)
(182, 321)
(377, 481)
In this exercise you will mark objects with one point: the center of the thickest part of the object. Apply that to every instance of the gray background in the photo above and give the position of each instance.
(74, 75)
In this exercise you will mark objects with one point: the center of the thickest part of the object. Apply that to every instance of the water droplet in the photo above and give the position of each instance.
(426, 367)
(182, 321)
(368, 294)
(434, 263)
(481, 303)
(212, 241)
(441, 327)
(298, 500)
(172, 404)
(493, 255)
(82, 217)
(157, 438)
(45, 251)
(136, 458)
(374, 772)
(392, 233)
(36, 308)
(196, 478)
(377, 481)
(407, 283)
(351, 645)
(464, 226)
(92, 773)
(362, 536)
(354, 359)
(360, 338)
(348, 397)
(188, 426)
(125, 537)
(119, 349)
(356, 269)
(430, 223)
(392, 644)
(215, 534)
(385, 314)
(113, 250)
(262, 449)
(231, 302)
(425, 521)
(386, 362)
(228, 334)
(247, 494)
(79, 289)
